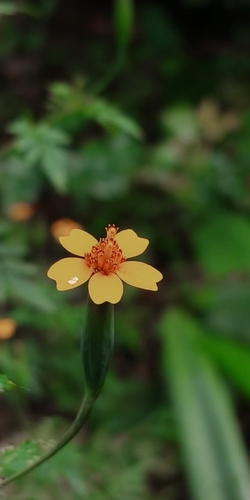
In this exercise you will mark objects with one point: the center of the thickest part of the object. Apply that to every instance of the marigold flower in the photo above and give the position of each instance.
(104, 263)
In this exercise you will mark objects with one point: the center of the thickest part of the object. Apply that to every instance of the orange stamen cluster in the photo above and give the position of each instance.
(106, 256)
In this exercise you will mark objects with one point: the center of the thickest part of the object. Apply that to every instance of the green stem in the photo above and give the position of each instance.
(81, 417)
(112, 72)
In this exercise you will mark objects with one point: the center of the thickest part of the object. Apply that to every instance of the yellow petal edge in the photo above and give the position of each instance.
(78, 242)
(140, 275)
(105, 288)
(131, 244)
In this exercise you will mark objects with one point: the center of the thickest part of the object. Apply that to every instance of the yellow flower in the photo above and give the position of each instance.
(104, 263)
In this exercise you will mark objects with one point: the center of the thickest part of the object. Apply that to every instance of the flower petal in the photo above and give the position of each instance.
(105, 288)
(78, 242)
(140, 275)
(131, 244)
(69, 273)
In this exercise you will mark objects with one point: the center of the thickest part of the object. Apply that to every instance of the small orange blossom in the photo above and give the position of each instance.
(7, 328)
(62, 227)
(20, 211)
(105, 263)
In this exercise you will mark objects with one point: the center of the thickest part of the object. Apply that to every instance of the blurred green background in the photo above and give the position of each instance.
(137, 114)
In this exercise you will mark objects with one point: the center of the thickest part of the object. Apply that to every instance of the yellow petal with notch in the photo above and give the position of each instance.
(78, 242)
(131, 244)
(140, 275)
(105, 288)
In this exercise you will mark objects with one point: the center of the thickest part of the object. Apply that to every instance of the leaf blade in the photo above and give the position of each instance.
(215, 458)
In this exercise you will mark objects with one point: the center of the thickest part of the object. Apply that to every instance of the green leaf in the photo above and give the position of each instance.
(9, 8)
(54, 164)
(233, 357)
(73, 105)
(5, 383)
(214, 456)
(43, 145)
(223, 244)
(108, 115)
(14, 459)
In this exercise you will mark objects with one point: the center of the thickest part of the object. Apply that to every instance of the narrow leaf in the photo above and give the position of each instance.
(108, 115)
(214, 456)
(233, 357)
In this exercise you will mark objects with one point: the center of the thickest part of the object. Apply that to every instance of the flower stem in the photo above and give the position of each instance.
(81, 417)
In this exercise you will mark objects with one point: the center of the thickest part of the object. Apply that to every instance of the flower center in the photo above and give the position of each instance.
(106, 256)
